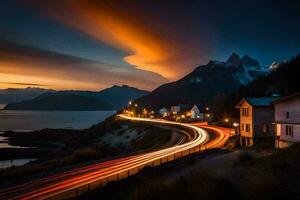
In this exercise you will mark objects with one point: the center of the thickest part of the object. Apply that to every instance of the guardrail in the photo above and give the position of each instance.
(96, 184)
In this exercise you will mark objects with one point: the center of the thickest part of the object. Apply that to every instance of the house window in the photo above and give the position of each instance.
(287, 115)
(243, 127)
(245, 112)
(289, 130)
(265, 128)
(247, 127)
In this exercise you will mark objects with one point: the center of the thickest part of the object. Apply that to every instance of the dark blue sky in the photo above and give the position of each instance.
(97, 44)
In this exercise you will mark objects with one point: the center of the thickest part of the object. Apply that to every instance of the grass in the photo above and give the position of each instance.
(236, 176)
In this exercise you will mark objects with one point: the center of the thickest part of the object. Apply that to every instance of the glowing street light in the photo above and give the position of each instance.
(136, 105)
(235, 124)
(130, 103)
(226, 120)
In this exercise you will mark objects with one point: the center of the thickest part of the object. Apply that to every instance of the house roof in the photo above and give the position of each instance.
(258, 101)
(187, 108)
(297, 94)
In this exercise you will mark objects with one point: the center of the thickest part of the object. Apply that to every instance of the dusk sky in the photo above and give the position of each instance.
(91, 45)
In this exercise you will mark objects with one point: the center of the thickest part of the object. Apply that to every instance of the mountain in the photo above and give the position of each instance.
(59, 102)
(282, 79)
(119, 96)
(20, 94)
(112, 98)
(206, 83)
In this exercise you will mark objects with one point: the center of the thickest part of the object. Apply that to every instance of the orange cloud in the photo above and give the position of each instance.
(22, 64)
(150, 46)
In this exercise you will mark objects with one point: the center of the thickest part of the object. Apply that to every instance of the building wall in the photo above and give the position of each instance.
(246, 120)
(281, 132)
(195, 112)
(291, 106)
(175, 109)
(263, 119)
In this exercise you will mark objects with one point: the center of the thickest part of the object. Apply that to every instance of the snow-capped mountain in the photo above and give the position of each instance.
(243, 69)
(206, 83)
(274, 65)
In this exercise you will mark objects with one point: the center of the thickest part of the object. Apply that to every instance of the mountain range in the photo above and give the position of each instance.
(204, 86)
(21, 94)
(206, 83)
(112, 98)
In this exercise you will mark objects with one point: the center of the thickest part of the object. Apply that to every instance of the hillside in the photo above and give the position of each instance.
(242, 174)
(206, 83)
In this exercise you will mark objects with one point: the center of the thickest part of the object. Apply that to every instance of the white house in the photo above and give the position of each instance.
(163, 112)
(175, 109)
(195, 113)
(287, 120)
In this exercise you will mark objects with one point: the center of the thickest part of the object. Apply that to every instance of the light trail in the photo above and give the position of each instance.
(63, 182)
(222, 135)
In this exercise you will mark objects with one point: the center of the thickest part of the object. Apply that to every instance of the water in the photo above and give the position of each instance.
(35, 120)
(16, 162)
(5, 144)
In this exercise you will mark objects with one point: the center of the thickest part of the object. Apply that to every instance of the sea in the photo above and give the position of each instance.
(35, 120)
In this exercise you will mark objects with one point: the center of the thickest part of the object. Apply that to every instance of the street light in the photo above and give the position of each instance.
(226, 120)
(235, 124)
(136, 105)
(130, 103)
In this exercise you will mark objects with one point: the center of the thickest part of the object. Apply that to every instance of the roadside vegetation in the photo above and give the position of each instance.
(216, 174)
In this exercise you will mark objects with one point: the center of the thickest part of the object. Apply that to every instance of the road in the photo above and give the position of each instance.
(221, 135)
(112, 170)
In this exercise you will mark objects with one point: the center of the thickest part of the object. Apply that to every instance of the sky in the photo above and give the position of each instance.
(94, 44)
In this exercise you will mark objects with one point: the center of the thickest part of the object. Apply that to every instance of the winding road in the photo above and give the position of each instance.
(77, 181)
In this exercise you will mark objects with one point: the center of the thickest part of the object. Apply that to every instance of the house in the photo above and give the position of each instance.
(195, 113)
(163, 112)
(175, 109)
(190, 112)
(287, 120)
(256, 117)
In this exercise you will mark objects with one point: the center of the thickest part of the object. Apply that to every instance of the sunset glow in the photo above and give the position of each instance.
(90, 44)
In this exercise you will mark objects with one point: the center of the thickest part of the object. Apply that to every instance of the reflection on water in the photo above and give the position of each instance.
(16, 162)
(35, 120)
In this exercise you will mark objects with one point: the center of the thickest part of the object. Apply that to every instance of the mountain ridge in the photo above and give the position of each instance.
(205, 83)
(112, 98)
